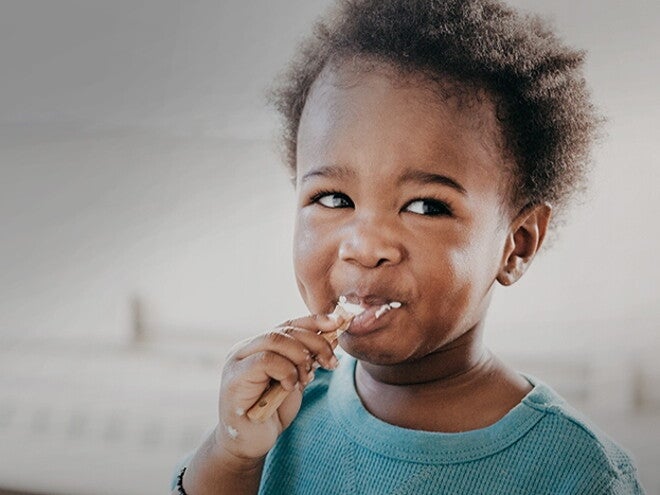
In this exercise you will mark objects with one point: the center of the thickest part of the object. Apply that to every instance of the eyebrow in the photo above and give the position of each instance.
(330, 172)
(409, 175)
(423, 177)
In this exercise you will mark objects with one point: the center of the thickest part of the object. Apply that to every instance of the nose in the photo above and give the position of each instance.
(370, 244)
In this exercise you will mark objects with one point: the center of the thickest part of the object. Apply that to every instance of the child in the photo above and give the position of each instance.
(430, 141)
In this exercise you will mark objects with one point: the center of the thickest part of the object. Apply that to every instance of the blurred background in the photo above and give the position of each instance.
(145, 224)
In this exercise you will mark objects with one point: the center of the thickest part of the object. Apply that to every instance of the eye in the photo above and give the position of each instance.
(331, 199)
(429, 207)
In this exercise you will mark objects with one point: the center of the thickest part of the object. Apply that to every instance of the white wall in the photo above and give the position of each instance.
(137, 159)
(198, 228)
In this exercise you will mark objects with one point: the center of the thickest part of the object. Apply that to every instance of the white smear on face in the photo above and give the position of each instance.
(387, 307)
(233, 432)
(382, 310)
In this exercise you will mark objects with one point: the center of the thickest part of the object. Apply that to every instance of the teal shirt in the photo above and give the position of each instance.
(541, 446)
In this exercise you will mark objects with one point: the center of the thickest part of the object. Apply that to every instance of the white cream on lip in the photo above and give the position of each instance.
(356, 309)
(387, 307)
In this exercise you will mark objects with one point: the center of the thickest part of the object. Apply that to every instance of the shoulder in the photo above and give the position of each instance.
(575, 442)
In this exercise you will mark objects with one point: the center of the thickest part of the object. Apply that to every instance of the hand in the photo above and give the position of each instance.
(288, 354)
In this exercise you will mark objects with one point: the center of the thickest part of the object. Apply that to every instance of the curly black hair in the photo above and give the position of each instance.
(548, 121)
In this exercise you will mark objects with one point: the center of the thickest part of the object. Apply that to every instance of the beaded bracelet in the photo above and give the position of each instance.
(179, 482)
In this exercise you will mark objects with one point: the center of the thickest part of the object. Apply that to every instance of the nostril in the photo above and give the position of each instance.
(370, 247)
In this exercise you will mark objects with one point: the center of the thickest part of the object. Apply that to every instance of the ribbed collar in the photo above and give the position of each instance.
(423, 446)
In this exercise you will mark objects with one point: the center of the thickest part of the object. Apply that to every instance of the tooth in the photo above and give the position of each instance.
(395, 304)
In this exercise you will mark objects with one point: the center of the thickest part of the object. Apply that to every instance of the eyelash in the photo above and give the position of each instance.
(320, 194)
(445, 206)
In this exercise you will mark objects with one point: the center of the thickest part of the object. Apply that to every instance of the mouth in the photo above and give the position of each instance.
(367, 311)
(369, 300)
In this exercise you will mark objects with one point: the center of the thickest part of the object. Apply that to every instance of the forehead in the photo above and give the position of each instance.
(384, 119)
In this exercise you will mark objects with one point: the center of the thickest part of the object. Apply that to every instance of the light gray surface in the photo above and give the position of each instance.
(133, 135)
(193, 67)
(136, 160)
(83, 419)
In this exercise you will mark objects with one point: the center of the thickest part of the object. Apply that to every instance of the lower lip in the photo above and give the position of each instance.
(366, 323)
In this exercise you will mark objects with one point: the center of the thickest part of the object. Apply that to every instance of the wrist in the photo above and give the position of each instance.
(232, 461)
(216, 470)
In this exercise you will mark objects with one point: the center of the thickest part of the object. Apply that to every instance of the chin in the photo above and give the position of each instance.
(372, 355)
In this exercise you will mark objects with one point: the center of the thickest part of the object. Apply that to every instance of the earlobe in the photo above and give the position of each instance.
(523, 242)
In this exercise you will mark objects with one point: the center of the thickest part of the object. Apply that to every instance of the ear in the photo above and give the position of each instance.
(528, 230)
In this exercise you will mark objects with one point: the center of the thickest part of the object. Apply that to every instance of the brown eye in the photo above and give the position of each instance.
(429, 207)
(333, 200)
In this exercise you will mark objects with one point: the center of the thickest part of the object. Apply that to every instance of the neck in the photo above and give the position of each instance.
(457, 388)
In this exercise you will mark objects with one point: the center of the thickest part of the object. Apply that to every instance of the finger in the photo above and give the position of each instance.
(280, 342)
(327, 325)
(302, 346)
(322, 351)
(317, 323)
(252, 375)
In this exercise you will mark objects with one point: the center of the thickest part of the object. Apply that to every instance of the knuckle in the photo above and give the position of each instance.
(288, 373)
(320, 345)
(287, 330)
(287, 323)
(292, 373)
(277, 337)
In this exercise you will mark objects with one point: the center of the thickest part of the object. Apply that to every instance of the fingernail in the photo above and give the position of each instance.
(310, 377)
(334, 362)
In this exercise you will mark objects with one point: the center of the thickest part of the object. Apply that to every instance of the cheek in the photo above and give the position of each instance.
(308, 242)
(457, 274)
(312, 260)
(450, 279)
(303, 250)
(470, 277)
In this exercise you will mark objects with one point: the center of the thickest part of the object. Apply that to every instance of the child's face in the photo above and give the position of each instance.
(400, 198)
